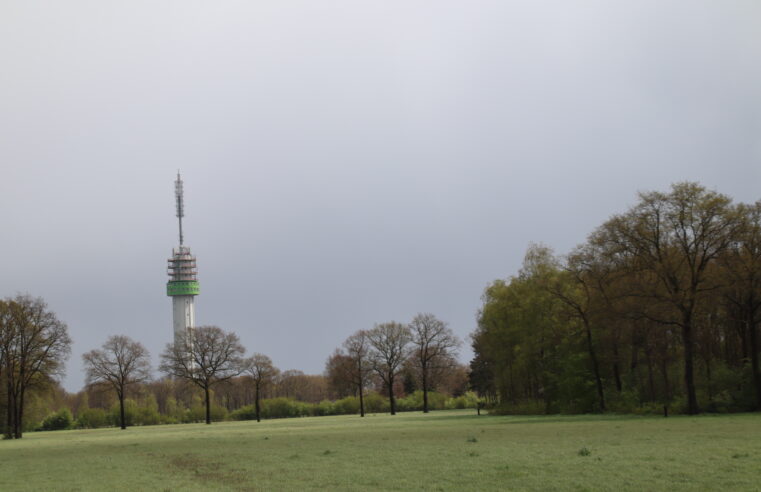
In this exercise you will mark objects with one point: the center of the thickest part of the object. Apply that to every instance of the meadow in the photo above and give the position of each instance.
(443, 450)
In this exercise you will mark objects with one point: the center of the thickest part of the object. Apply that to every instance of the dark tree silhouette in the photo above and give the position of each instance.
(434, 349)
(263, 372)
(208, 356)
(389, 350)
(119, 363)
(34, 345)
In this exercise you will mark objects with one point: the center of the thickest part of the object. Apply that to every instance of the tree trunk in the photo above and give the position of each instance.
(650, 378)
(425, 388)
(616, 369)
(689, 375)
(361, 398)
(256, 404)
(708, 377)
(10, 410)
(754, 359)
(595, 365)
(208, 405)
(666, 382)
(391, 401)
(121, 411)
(20, 415)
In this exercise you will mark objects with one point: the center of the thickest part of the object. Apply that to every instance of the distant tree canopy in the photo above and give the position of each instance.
(660, 307)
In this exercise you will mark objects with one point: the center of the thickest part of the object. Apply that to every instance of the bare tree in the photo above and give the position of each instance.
(435, 348)
(120, 363)
(34, 345)
(209, 356)
(389, 342)
(358, 350)
(263, 372)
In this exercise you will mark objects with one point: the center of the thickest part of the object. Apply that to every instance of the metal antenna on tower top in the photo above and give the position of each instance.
(180, 202)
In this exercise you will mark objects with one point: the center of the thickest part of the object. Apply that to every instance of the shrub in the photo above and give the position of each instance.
(347, 406)
(59, 420)
(414, 401)
(92, 418)
(130, 411)
(174, 412)
(375, 403)
(198, 413)
(467, 400)
(325, 407)
(244, 413)
(276, 408)
(624, 402)
(524, 407)
(147, 416)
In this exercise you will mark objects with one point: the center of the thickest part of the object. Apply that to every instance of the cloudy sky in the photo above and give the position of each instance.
(346, 162)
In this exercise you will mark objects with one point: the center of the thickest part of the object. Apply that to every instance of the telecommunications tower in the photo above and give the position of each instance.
(183, 279)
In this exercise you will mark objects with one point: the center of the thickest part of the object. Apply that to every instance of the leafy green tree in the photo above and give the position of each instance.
(741, 264)
(672, 239)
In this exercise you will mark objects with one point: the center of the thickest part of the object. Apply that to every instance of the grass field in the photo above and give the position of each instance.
(445, 450)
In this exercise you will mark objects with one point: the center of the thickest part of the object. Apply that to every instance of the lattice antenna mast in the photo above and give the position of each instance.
(180, 202)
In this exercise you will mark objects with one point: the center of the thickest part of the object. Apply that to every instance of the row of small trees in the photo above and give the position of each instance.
(212, 356)
(670, 289)
(209, 357)
(34, 346)
(426, 343)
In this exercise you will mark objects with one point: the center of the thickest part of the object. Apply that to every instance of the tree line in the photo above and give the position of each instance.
(208, 376)
(659, 309)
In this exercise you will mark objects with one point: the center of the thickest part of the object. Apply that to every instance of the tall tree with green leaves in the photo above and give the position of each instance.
(671, 239)
(741, 264)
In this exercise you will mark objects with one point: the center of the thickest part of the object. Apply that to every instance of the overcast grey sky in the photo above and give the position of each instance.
(346, 162)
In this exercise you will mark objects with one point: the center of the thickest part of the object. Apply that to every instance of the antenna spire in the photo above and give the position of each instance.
(179, 201)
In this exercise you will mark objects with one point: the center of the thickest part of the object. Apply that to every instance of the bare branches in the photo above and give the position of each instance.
(435, 348)
(210, 356)
(33, 347)
(389, 343)
(120, 362)
(263, 372)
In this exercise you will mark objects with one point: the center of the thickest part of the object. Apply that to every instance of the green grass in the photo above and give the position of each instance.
(445, 450)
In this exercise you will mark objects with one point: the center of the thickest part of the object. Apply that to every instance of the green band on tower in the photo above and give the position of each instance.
(183, 288)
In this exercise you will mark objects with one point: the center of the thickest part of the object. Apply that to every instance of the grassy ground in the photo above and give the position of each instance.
(445, 450)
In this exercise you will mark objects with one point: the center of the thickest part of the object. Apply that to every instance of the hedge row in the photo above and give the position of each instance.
(92, 418)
